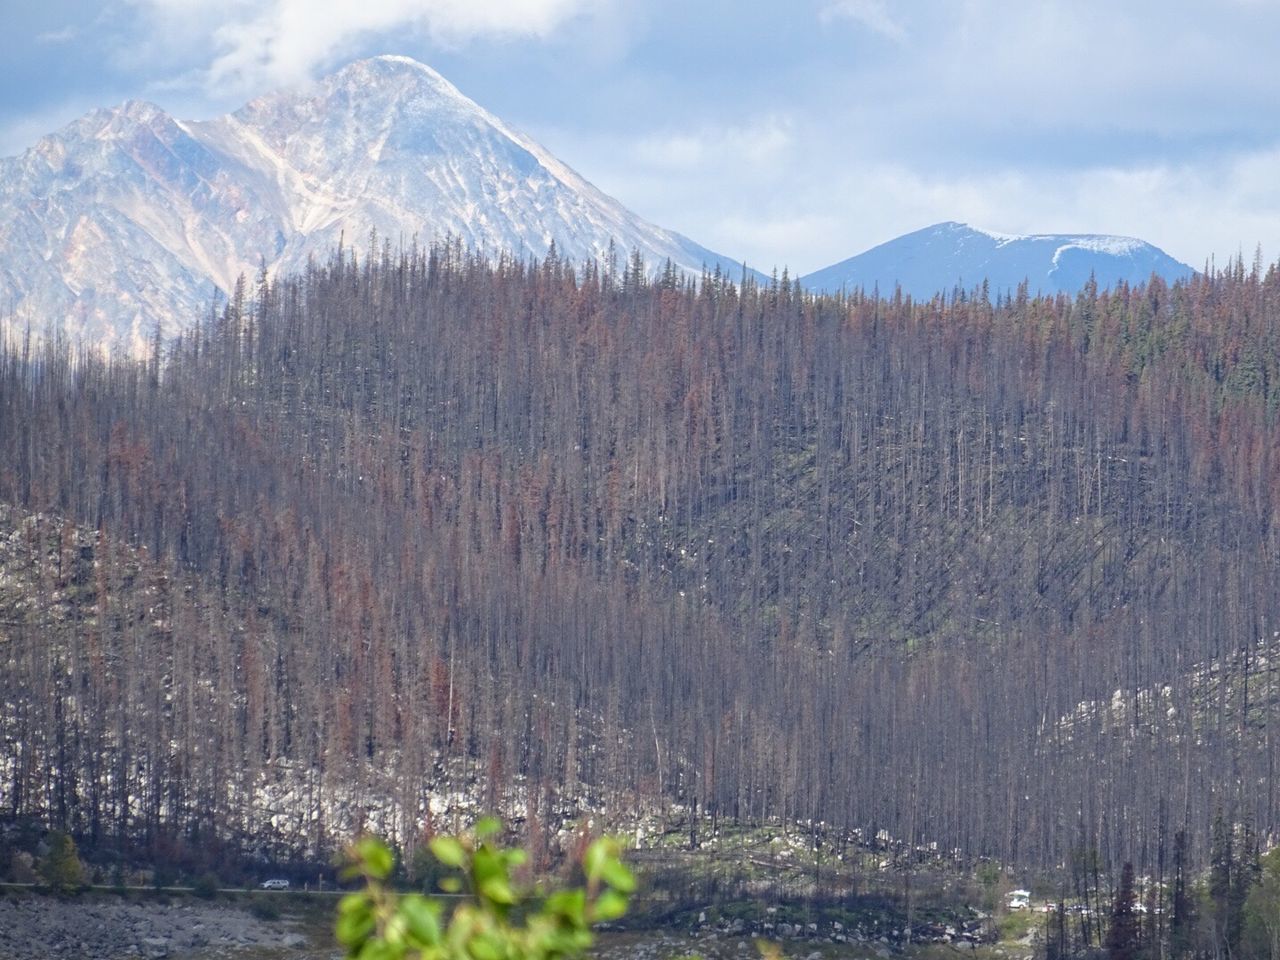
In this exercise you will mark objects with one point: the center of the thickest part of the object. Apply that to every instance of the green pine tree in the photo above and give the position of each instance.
(61, 868)
(1124, 936)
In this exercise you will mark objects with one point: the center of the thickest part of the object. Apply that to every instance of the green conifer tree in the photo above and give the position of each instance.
(61, 868)
(1124, 936)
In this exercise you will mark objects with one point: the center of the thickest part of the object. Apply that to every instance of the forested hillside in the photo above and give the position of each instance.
(996, 576)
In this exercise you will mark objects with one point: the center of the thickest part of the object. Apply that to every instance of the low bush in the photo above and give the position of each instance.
(264, 909)
(206, 886)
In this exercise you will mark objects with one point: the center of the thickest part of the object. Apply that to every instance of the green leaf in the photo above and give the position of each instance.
(448, 851)
(451, 884)
(616, 875)
(567, 943)
(422, 918)
(498, 890)
(595, 859)
(353, 901)
(396, 930)
(486, 865)
(485, 947)
(354, 926)
(375, 857)
(488, 827)
(610, 906)
(568, 904)
(380, 950)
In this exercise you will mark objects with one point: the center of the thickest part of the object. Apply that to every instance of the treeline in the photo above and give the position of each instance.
(995, 576)
(1232, 909)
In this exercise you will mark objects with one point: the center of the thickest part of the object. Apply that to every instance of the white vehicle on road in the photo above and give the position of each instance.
(274, 885)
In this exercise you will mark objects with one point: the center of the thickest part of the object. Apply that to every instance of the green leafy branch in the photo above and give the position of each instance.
(498, 920)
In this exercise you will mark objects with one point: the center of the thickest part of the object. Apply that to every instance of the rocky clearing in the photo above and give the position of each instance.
(109, 927)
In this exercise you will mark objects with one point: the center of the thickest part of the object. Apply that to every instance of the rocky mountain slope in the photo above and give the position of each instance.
(128, 218)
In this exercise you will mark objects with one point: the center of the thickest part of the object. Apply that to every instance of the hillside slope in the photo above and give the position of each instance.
(759, 554)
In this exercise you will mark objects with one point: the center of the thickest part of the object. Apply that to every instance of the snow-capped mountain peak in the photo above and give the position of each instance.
(940, 258)
(129, 218)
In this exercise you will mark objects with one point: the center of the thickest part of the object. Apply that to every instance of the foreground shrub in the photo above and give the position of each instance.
(497, 921)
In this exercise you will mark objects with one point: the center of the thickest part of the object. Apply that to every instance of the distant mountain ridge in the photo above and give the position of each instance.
(945, 256)
(128, 219)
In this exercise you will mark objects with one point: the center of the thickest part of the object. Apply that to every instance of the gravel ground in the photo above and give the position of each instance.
(92, 927)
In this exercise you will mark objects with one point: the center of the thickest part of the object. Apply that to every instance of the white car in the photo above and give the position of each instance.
(274, 885)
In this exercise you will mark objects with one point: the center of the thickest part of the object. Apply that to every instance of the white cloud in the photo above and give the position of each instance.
(872, 14)
(777, 238)
(762, 143)
(254, 44)
(64, 35)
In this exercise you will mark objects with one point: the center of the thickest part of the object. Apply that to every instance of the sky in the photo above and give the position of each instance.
(790, 134)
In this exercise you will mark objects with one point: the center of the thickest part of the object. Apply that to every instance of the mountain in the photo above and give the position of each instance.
(949, 255)
(129, 218)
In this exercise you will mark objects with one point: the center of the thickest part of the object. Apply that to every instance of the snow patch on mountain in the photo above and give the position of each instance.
(1112, 246)
(1000, 238)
